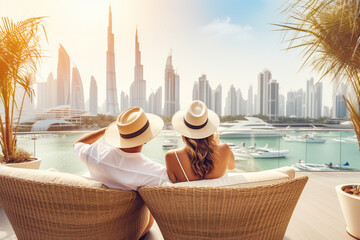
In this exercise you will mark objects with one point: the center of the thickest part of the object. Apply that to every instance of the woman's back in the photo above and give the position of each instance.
(223, 160)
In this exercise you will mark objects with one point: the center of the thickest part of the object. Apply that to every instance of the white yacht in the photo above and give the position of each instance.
(263, 152)
(169, 144)
(307, 138)
(252, 127)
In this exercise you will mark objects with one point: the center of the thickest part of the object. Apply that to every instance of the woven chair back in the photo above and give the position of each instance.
(39, 210)
(251, 213)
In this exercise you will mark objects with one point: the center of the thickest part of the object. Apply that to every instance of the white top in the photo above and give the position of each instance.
(118, 169)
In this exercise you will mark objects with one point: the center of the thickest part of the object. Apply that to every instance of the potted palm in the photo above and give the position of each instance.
(19, 56)
(328, 32)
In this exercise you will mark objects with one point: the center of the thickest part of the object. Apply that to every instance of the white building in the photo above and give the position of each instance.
(273, 93)
(93, 99)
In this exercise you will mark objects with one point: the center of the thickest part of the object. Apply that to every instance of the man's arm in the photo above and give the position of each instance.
(92, 137)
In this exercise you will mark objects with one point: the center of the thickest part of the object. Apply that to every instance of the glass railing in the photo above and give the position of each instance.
(305, 150)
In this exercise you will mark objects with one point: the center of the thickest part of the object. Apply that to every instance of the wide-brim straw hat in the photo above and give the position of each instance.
(196, 122)
(133, 127)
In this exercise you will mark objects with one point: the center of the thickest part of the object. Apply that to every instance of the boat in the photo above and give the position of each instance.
(307, 138)
(169, 144)
(252, 127)
(302, 166)
(264, 152)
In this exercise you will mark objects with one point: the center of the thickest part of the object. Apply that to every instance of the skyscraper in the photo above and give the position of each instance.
(63, 77)
(295, 104)
(124, 101)
(93, 96)
(112, 106)
(218, 100)
(138, 87)
(77, 91)
(313, 99)
(46, 93)
(231, 103)
(273, 93)
(263, 99)
(250, 104)
(195, 92)
(155, 102)
(172, 82)
(281, 105)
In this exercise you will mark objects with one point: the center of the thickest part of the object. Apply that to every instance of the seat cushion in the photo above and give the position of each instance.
(242, 179)
(45, 176)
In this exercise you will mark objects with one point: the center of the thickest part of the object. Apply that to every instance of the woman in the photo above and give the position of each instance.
(202, 157)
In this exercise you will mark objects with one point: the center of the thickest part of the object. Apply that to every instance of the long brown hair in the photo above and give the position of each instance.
(201, 153)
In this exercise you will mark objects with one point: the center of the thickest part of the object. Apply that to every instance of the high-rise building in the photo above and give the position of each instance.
(241, 105)
(112, 106)
(273, 93)
(138, 87)
(124, 101)
(172, 85)
(263, 99)
(46, 93)
(250, 103)
(281, 105)
(295, 104)
(93, 99)
(231, 103)
(205, 93)
(218, 100)
(340, 109)
(326, 111)
(63, 77)
(155, 102)
(77, 92)
(313, 100)
(195, 92)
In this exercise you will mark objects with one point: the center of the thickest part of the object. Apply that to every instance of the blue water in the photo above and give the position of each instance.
(56, 151)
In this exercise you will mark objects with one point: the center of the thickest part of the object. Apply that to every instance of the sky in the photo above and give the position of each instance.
(230, 41)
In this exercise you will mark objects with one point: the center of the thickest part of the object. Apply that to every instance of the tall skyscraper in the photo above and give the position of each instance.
(205, 92)
(93, 96)
(195, 92)
(241, 105)
(218, 100)
(172, 83)
(250, 103)
(155, 102)
(263, 99)
(124, 101)
(273, 93)
(295, 104)
(46, 93)
(138, 87)
(112, 106)
(313, 99)
(281, 105)
(63, 77)
(77, 91)
(231, 103)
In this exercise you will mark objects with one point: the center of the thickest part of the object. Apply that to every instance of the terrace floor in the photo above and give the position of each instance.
(316, 216)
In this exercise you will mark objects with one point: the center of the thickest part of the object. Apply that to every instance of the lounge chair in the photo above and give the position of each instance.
(52, 205)
(256, 212)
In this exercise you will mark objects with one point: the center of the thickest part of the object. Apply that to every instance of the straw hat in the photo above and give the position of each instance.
(196, 122)
(132, 128)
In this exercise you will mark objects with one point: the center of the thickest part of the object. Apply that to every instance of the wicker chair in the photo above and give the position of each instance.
(41, 210)
(261, 212)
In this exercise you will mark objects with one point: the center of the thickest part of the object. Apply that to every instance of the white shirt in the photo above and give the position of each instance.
(118, 169)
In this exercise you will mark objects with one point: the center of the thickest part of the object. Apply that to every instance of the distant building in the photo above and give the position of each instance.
(273, 93)
(341, 111)
(295, 104)
(231, 102)
(77, 92)
(263, 99)
(281, 105)
(195, 92)
(138, 87)
(241, 105)
(46, 93)
(313, 100)
(63, 77)
(172, 91)
(218, 100)
(93, 99)
(112, 106)
(250, 102)
(155, 102)
(326, 111)
(124, 101)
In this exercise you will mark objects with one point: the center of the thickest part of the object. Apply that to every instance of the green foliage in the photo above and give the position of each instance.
(19, 56)
(328, 33)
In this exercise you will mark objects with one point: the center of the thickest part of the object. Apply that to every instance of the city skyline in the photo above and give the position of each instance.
(222, 55)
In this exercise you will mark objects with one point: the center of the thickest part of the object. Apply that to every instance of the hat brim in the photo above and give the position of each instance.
(113, 138)
(209, 129)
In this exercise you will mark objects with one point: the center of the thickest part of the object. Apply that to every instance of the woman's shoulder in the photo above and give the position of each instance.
(223, 146)
(171, 153)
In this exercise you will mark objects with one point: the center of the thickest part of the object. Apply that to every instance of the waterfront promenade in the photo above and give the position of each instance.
(316, 216)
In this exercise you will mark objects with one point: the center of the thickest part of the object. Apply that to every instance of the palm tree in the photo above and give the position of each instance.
(19, 56)
(328, 33)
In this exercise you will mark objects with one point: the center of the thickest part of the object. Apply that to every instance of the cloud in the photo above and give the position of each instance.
(224, 28)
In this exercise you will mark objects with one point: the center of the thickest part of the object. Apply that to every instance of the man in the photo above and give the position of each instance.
(123, 166)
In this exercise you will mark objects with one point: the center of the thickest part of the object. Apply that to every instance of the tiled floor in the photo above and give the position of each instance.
(317, 215)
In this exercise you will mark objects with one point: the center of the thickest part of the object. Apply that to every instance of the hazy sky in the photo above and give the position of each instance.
(230, 41)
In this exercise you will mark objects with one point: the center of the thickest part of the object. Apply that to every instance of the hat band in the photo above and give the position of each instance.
(137, 133)
(194, 126)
